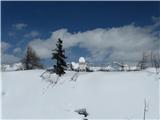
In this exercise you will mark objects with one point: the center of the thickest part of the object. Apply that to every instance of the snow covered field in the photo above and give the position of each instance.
(104, 95)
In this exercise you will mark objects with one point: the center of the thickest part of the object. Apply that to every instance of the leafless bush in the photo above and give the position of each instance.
(146, 107)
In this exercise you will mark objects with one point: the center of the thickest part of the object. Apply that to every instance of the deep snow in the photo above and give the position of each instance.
(104, 95)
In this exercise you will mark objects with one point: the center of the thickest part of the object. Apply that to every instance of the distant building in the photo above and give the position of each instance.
(82, 64)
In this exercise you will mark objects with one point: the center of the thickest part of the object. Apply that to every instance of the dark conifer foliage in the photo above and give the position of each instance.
(31, 60)
(59, 55)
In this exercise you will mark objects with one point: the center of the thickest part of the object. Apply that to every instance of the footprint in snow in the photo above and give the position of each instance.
(3, 93)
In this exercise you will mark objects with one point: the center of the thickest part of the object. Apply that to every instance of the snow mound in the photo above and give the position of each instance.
(108, 95)
(109, 68)
(14, 67)
(18, 66)
(75, 66)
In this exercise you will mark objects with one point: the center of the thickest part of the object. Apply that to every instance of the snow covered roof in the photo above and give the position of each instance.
(82, 60)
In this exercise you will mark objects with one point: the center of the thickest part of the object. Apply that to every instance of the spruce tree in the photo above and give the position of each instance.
(59, 55)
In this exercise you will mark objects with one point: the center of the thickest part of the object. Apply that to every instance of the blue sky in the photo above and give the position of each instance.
(41, 23)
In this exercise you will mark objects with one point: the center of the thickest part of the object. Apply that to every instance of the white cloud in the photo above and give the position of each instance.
(122, 43)
(156, 21)
(5, 57)
(17, 50)
(19, 26)
(5, 46)
(9, 59)
(32, 34)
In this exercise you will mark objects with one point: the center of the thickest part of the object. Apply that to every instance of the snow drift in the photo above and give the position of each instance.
(103, 94)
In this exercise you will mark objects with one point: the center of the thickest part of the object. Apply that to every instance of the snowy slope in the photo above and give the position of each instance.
(103, 94)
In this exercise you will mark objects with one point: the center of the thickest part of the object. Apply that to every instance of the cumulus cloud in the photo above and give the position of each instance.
(5, 57)
(32, 34)
(19, 26)
(5, 46)
(17, 50)
(126, 43)
(9, 59)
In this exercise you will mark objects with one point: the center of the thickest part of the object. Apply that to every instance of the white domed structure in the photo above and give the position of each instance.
(82, 64)
(82, 60)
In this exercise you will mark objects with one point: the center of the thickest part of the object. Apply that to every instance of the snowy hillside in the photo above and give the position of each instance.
(13, 67)
(103, 94)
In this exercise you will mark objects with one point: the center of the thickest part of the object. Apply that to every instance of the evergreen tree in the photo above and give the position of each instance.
(31, 60)
(59, 55)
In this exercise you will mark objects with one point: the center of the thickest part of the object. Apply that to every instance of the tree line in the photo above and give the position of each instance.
(32, 60)
(149, 60)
